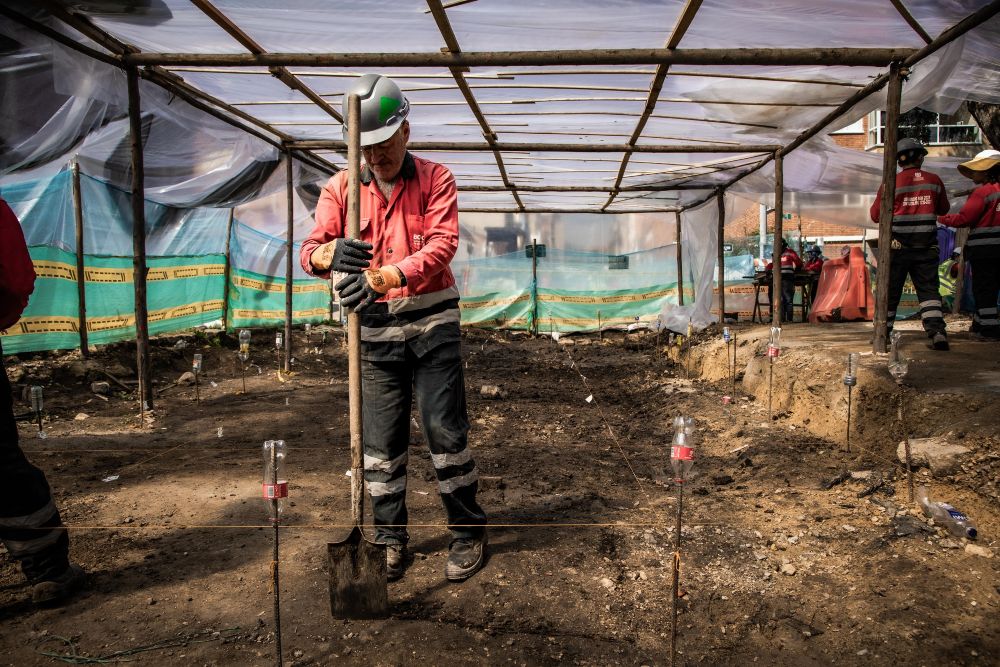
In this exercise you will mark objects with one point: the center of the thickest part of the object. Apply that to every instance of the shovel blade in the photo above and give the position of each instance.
(358, 584)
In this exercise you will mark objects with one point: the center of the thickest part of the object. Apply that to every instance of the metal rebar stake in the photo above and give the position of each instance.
(197, 392)
(676, 573)
(906, 445)
(770, 381)
(243, 372)
(733, 390)
(274, 562)
(849, 388)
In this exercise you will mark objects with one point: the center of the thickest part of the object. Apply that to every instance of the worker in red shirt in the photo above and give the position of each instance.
(981, 213)
(790, 263)
(399, 281)
(30, 526)
(813, 266)
(920, 198)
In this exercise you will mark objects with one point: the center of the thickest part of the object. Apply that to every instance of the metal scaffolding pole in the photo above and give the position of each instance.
(721, 196)
(779, 213)
(680, 261)
(289, 246)
(81, 274)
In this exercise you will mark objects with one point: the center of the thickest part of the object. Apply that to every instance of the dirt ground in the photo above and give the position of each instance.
(775, 568)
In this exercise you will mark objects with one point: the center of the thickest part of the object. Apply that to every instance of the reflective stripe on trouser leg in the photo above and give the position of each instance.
(386, 397)
(985, 285)
(924, 273)
(30, 526)
(439, 382)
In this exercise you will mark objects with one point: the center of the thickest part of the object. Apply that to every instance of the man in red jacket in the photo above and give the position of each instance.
(399, 281)
(30, 526)
(920, 198)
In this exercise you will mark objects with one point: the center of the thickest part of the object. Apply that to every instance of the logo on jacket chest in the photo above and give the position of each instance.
(418, 241)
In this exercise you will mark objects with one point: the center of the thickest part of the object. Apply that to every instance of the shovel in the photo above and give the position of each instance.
(358, 584)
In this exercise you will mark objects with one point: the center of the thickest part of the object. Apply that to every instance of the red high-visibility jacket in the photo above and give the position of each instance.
(981, 212)
(17, 274)
(920, 198)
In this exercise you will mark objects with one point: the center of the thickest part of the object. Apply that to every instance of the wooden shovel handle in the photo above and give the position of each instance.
(353, 321)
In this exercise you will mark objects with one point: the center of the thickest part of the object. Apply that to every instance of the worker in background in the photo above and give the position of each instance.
(399, 281)
(947, 274)
(920, 198)
(814, 266)
(790, 263)
(30, 526)
(981, 213)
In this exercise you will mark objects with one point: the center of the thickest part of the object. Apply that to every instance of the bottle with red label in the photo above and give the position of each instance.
(682, 448)
(275, 485)
(774, 343)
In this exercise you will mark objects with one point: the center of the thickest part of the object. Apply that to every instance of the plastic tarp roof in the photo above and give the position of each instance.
(60, 104)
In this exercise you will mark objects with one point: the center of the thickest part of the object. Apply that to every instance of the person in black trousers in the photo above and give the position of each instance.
(30, 526)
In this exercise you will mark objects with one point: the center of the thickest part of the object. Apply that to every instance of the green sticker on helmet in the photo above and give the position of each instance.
(387, 107)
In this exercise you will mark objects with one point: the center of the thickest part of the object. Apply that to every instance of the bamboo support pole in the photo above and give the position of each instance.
(680, 261)
(779, 214)
(81, 272)
(893, 95)
(534, 287)
(721, 197)
(139, 243)
(227, 270)
(790, 57)
(289, 247)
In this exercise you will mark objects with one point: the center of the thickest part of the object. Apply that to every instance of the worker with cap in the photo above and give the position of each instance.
(399, 282)
(30, 526)
(920, 198)
(813, 266)
(981, 213)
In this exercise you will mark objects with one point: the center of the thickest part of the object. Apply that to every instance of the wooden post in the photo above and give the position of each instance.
(961, 236)
(680, 261)
(893, 94)
(139, 243)
(288, 262)
(779, 214)
(81, 278)
(227, 272)
(534, 287)
(721, 197)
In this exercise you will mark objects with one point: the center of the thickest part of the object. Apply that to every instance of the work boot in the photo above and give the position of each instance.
(939, 342)
(54, 590)
(395, 560)
(466, 556)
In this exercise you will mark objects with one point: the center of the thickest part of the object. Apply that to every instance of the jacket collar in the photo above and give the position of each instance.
(406, 172)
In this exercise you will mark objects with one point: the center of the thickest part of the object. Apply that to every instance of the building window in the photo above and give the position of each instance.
(932, 129)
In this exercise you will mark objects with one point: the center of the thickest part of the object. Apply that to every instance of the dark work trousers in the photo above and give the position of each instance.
(922, 266)
(985, 286)
(388, 387)
(787, 296)
(26, 507)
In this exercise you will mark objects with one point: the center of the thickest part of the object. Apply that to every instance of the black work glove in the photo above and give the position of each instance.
(356, 292)
(342, 256)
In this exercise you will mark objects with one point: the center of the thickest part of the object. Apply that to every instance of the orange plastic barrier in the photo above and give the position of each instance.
(844, 293)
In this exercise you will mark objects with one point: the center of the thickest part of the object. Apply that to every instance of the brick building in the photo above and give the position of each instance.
(944, 135)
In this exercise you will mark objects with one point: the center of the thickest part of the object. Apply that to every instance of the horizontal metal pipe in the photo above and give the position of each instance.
(578, 188)
(463, 146)
(865, 57)
(566, 210)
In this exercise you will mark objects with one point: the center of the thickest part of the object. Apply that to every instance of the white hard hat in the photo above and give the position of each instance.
(383, 108)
